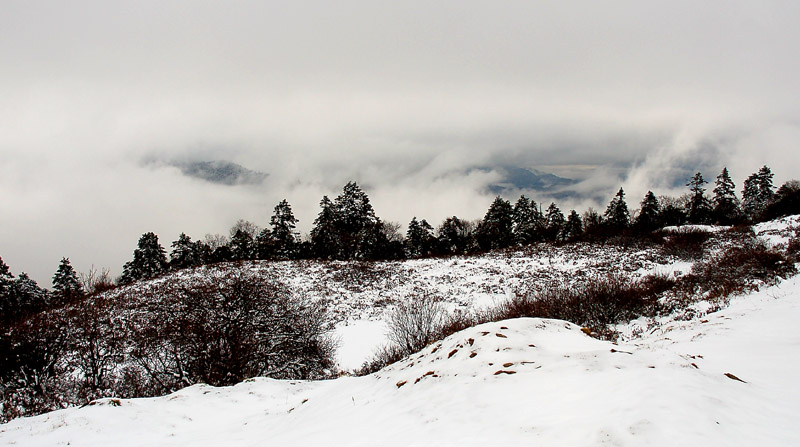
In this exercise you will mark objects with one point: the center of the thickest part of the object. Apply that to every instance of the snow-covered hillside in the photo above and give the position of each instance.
(706, 377)
(727, 379)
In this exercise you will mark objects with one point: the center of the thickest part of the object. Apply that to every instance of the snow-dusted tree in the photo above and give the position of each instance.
(324, 239)
(419, 238)
(27, 296)
(528, 221)
(496, 228)
(573, 229)
(727, 209)
(699, 207)
(149, 260)
(649, 212)
(242, 246)
(454, 235)
(786, 201)
(66, 286)
(284, 235)
(757, 193)
(185, 253)
(617, 216)
(554, 222)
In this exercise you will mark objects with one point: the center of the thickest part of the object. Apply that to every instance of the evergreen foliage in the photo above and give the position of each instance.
(284, 236)
(617, 216)
(149, 260)
(66, 286)
(324, 237)
(786, 201)
(496, 228)
(573, 229)
(455, 235)
(242, 246)
(699, 207)
(649, 214)
(727, 209)
(528, 221)
(185, 253)
(554, 223)
(757, 194)
(419, 238)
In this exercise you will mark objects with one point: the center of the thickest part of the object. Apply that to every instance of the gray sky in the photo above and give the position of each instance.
(402, 97)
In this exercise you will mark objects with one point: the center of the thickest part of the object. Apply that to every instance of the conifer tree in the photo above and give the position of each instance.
(242, 246)
(554, 222)
(757, 194)
(284, 235)
(727, 209)
(184, 253)
(357, 228)
(419, 238)
(149, 260)
(528, 221)
(617, 216)
(496, 228)
(573, 229)
(454, 235)
(66, 286)
(324, 235)
(649, 212)
(699, 206)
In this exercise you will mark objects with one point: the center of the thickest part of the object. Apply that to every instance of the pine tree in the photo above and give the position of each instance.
(454, 235)
(699, 206)
(727, 209)
(149, 260)
(184, 253)
(528, 221)
(27, 296)
(357, 227)
(242, 246)
(617, 216)
(419, 238)
(66, 286)
(496, 229)
(573, 229)
(284, 235)
(554, 222)
(649, 212)
(757, 194)
(324, 235)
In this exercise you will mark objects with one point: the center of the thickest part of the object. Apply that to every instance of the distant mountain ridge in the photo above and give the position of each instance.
(515, 178)
(220, 171)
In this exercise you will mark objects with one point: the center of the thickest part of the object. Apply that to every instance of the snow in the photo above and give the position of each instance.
(666, 388)
(669, 381)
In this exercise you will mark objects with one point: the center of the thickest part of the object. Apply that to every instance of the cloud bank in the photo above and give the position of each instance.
(403, 98)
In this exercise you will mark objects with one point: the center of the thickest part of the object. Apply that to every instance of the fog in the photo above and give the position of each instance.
(402, 98)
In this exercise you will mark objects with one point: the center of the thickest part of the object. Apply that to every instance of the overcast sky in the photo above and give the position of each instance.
(402, 97)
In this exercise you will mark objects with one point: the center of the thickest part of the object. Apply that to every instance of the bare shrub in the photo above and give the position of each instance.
(225, 330)
(96, 281)
(416, 323)
(685, 243)
(737, 270)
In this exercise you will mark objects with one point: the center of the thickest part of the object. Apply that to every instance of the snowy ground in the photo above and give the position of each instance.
(722, 378)
(516, 382)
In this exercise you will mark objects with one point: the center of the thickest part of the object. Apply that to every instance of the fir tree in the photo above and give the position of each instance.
(617, 215)
(284, 235)
(242, 246)
(324, 238)
(496, 229)
(184, 253)
(649, 212)
(419, 238)
(66, 286)
(757, 194)
(554, 222)
(149, 260)
(357, 227)
(454, 235)
(699, 206)
(573, 229)
(528, 221)
(727, 209)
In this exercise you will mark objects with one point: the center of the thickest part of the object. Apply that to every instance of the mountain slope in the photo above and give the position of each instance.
(666, 388)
